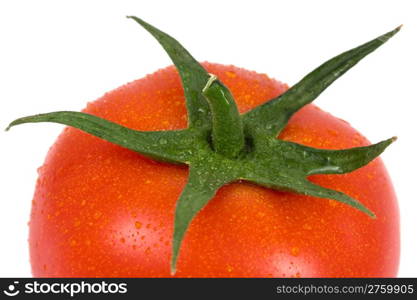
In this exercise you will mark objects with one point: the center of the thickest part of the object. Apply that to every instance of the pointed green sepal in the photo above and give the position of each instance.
(201, 187)
(303, 186)
(194, 77)
(314, 190)
(271, 117)
(343, 161)
(171, 146)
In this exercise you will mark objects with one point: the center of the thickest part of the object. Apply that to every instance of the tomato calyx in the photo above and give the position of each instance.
(221, 146)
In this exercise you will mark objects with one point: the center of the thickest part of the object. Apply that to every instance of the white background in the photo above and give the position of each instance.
(58, 55)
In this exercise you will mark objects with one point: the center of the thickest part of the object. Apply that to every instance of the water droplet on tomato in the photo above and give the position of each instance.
(295, 251)
(163, 141)
(97, 215)
(138, 225)
(230, 74)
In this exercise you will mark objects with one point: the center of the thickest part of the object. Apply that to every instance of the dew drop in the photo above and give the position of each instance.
(138, 225)
(39, 170)
(231, 74)
(307, 227)
(295, 251)
(297, 275)
(97, 215)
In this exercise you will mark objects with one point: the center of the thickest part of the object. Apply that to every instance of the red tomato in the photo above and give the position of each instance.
(102, 210)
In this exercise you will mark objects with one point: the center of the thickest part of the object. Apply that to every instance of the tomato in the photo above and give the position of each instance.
(101, 210)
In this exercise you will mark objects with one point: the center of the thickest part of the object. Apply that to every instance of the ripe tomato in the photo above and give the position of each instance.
(102, 210)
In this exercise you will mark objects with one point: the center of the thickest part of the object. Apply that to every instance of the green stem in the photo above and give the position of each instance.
(227, 135)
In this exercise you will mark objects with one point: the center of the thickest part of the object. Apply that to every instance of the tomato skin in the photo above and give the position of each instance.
(103, 211)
